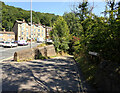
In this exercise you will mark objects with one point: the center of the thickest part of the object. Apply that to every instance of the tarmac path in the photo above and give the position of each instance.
(58, 74)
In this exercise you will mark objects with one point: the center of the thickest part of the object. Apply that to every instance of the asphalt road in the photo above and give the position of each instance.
(9, 52)
(56, 75)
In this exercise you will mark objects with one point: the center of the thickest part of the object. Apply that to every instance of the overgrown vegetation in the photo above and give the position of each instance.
(89, 32)
(42, 57)
(100, 34)
(41, 45)
(60, 35)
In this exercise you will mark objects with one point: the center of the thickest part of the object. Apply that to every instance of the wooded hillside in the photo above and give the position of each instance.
(10, 14)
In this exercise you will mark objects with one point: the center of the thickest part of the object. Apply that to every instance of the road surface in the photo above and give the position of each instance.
(58, 74)
(8, 52)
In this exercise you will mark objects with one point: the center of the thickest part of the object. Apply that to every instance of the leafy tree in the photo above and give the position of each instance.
(82, 12)
(101, 34)
(60, 35)
(74, 26)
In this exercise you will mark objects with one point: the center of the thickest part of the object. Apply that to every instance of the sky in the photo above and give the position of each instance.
(57, 8)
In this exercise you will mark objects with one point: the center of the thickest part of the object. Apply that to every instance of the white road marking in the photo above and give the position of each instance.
(5, 49)
(6, 59)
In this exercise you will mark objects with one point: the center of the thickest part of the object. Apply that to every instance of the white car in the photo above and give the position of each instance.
(40, 40)
(9, 44)
(22, 43)
(1, 43)
(49, 41)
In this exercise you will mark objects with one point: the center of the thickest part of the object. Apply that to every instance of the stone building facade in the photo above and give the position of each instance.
(7, 36)
(23, 31)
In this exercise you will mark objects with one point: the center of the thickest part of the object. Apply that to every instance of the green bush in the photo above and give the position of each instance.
(41, 45)
(42, 57)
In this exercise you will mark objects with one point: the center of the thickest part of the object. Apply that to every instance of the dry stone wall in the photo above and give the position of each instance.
(30, 54)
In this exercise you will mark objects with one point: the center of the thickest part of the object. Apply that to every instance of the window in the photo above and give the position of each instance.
(38, 30)
(9, 39)
(26, 29)
(42, 34)
(1, 34)
(47, 33)
(1, 39)
(42, 30)
(38, 34)
(32, 33)
(22, 28)
(27, 33)
(34, 30)
(22, 33)
(9, 34)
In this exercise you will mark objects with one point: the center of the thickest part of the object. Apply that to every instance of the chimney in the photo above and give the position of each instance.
(39, 24)
(4, 30)
(23, 20)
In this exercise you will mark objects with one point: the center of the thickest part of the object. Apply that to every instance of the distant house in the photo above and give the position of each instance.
(7, 36)
(48, 29)
(23, 31)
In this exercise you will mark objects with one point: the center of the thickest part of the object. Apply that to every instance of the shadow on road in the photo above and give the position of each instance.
(52, 75)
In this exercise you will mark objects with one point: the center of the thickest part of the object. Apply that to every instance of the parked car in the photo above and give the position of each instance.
(49, 41)
(9, 44)
(40, 40)
(22, 43)
(16, 42)
(1, 43)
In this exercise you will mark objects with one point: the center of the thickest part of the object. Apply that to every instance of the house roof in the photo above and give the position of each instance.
(34, 24)
(49, 27)
(19, 21)
(23, 21)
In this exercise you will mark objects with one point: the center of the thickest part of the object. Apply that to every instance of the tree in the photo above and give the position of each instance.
(75, 28)
(73, 24)
(82, 10)
(60, 35)
(101, 34)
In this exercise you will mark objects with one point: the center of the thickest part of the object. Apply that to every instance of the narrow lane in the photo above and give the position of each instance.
(51, 75)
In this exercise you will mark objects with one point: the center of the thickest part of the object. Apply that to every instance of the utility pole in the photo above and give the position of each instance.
(31, 27)
(9, 28)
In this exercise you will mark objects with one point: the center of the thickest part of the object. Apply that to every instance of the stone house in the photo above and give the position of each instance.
(23, 31)
(7, 36)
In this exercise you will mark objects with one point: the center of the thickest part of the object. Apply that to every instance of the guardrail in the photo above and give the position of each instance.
(93, 53)
(95, 56)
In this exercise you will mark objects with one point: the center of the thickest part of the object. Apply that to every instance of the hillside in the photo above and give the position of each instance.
(10, 14)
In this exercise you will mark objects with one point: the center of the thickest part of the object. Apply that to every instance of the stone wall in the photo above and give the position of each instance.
(50, 51)
(30, 54)
(24, 55)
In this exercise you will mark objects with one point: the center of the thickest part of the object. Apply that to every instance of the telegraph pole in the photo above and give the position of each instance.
(31, 27)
